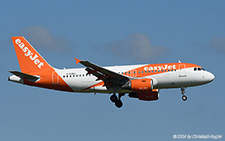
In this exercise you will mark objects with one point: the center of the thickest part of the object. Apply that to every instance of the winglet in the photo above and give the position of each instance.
(77, 60)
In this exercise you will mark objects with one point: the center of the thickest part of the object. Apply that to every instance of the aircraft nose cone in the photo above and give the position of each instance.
(210, 77)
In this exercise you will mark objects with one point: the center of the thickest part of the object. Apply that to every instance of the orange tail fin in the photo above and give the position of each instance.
(29, 59)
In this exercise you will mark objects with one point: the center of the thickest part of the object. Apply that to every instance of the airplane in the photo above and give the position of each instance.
(138, 81)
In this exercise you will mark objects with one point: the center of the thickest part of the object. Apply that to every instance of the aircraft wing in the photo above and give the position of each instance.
(110, 78)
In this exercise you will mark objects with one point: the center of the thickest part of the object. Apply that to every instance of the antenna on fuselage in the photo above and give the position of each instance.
(179, 61)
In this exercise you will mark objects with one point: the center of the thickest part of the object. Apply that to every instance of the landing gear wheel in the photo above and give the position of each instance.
(119, 103)
(117, 100)
(184, 97)
(113, 98)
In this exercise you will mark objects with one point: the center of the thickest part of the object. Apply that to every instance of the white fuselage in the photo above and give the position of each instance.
(188, 77)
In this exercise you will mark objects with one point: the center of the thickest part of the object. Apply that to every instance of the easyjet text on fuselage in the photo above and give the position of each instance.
(164, 67)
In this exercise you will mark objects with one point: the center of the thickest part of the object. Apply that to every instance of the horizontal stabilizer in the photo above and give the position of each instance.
(25, 76)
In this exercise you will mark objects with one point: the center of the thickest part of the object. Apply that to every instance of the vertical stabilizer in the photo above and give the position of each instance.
(29, 59)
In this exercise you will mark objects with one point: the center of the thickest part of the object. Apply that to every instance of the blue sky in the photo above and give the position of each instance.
(113, 33)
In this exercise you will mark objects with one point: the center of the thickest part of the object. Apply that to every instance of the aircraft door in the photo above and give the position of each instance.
(55, 78)
(133, 73)
(182, 70)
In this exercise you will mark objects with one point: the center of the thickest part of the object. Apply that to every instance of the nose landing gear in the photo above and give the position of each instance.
(117, 100)
(184, 97)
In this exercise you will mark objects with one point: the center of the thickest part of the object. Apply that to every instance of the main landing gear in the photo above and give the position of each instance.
(117, 100)
(184, 97)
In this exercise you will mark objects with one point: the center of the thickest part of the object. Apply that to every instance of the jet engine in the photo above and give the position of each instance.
(139, 85)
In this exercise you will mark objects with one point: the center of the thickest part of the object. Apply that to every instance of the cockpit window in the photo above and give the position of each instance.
(198, 69)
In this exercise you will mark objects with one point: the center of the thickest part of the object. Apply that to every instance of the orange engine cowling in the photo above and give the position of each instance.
(139, 85)
(146, 96)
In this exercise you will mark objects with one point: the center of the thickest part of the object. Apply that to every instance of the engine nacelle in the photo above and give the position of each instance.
(146, 96)
(139, 85)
